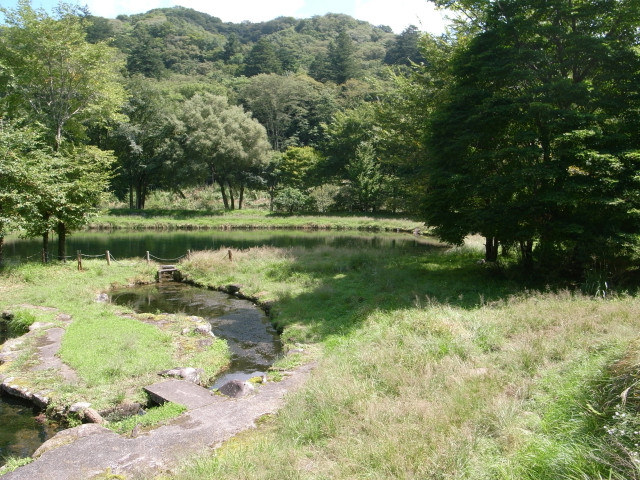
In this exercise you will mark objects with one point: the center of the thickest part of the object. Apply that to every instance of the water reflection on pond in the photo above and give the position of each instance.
(253, 341)
(173, 244)
(21, 432)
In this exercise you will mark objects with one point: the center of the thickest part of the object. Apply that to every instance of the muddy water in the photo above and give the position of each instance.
(253, 341)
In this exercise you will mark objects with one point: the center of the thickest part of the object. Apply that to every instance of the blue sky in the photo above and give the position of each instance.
(397, 14)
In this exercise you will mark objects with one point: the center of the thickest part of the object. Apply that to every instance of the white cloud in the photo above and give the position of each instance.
(238, 10)
(400, 14)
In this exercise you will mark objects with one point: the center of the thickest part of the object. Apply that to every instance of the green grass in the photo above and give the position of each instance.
(247, 219)
(429, 365)
(113, 356)
(152, 418)
(432, 366)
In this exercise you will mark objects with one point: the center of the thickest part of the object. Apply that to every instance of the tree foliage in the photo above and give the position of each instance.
(533, 143)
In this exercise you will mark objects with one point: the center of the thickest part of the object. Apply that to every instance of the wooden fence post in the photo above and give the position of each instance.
(79, 261)
(148, 257)
(108, 258)
(230, 256)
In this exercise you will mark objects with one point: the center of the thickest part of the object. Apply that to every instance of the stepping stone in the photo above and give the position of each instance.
(178, 391)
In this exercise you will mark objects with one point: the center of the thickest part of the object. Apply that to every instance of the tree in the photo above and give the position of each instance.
(140, 142)
(222, 143)
(62, 82)
(366, 182)
(262, 59)
(290, 107)
(405, 50)
(56, 76)
(298, 167)
(21, 163)
(533, 143)
(342, 58)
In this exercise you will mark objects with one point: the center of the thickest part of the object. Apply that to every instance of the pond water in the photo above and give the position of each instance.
(252, 340)
(20, 431)
(173, 244)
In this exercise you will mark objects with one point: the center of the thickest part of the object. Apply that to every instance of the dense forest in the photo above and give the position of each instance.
(519, 124)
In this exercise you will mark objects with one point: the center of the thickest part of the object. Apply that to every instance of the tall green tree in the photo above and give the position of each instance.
(22, 163)
(55, 75)
(262, 58)
(533, 142)
(221, 143)
(342, 58)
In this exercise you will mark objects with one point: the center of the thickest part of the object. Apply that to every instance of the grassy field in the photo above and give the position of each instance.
(434, 366)
(429, 365)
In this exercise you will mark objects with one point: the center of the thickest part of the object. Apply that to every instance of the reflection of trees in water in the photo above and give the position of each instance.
(171, 245)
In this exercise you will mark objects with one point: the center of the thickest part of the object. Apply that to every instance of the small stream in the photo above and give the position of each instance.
(252, 340)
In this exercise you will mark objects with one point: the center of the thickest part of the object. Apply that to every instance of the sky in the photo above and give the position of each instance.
(397, 14)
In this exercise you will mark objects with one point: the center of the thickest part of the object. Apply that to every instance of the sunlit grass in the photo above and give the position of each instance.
(434, 367)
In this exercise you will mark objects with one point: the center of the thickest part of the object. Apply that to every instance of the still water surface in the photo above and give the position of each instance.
(174, 244)
(252, 340)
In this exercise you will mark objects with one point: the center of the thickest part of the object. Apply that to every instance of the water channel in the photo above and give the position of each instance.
(253, 342)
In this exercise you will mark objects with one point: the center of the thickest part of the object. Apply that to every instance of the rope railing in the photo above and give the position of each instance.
(45, 256)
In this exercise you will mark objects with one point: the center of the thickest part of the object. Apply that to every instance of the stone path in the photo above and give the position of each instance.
(200, 428)
(90, 450)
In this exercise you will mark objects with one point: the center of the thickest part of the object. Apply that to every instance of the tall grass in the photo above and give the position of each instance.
(433, 367)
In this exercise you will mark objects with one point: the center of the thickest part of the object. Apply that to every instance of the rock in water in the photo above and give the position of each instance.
(236, 388)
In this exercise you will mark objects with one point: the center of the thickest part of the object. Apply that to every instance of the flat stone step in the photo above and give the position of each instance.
(178, 391)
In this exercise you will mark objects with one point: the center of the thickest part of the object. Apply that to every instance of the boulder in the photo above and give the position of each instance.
(70, 435)
(203, 329)
(189, 374)
(236, 388)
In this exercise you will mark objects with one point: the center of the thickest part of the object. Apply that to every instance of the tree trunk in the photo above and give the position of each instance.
(1, 248)
(45, 245)
(241, 198)
(131, 195)
(526, 253)
(225, 200)
(491, 249)
(62, 241)
(233, 200)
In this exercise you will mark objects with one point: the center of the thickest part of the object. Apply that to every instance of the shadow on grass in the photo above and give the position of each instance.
(349, 285)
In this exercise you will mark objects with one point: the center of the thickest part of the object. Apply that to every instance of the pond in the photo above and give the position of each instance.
(21, 431)
(169, 245)
(252, 340)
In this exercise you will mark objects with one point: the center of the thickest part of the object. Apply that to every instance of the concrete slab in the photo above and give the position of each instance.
(160, 449)
(179, 391)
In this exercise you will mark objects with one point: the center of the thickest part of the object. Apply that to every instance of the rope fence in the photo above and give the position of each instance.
(111, 260)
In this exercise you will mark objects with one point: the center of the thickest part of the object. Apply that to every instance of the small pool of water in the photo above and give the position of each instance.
(21, 433)
(252, 340)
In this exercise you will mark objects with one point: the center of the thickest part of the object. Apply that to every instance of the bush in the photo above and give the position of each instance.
(290, 200)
